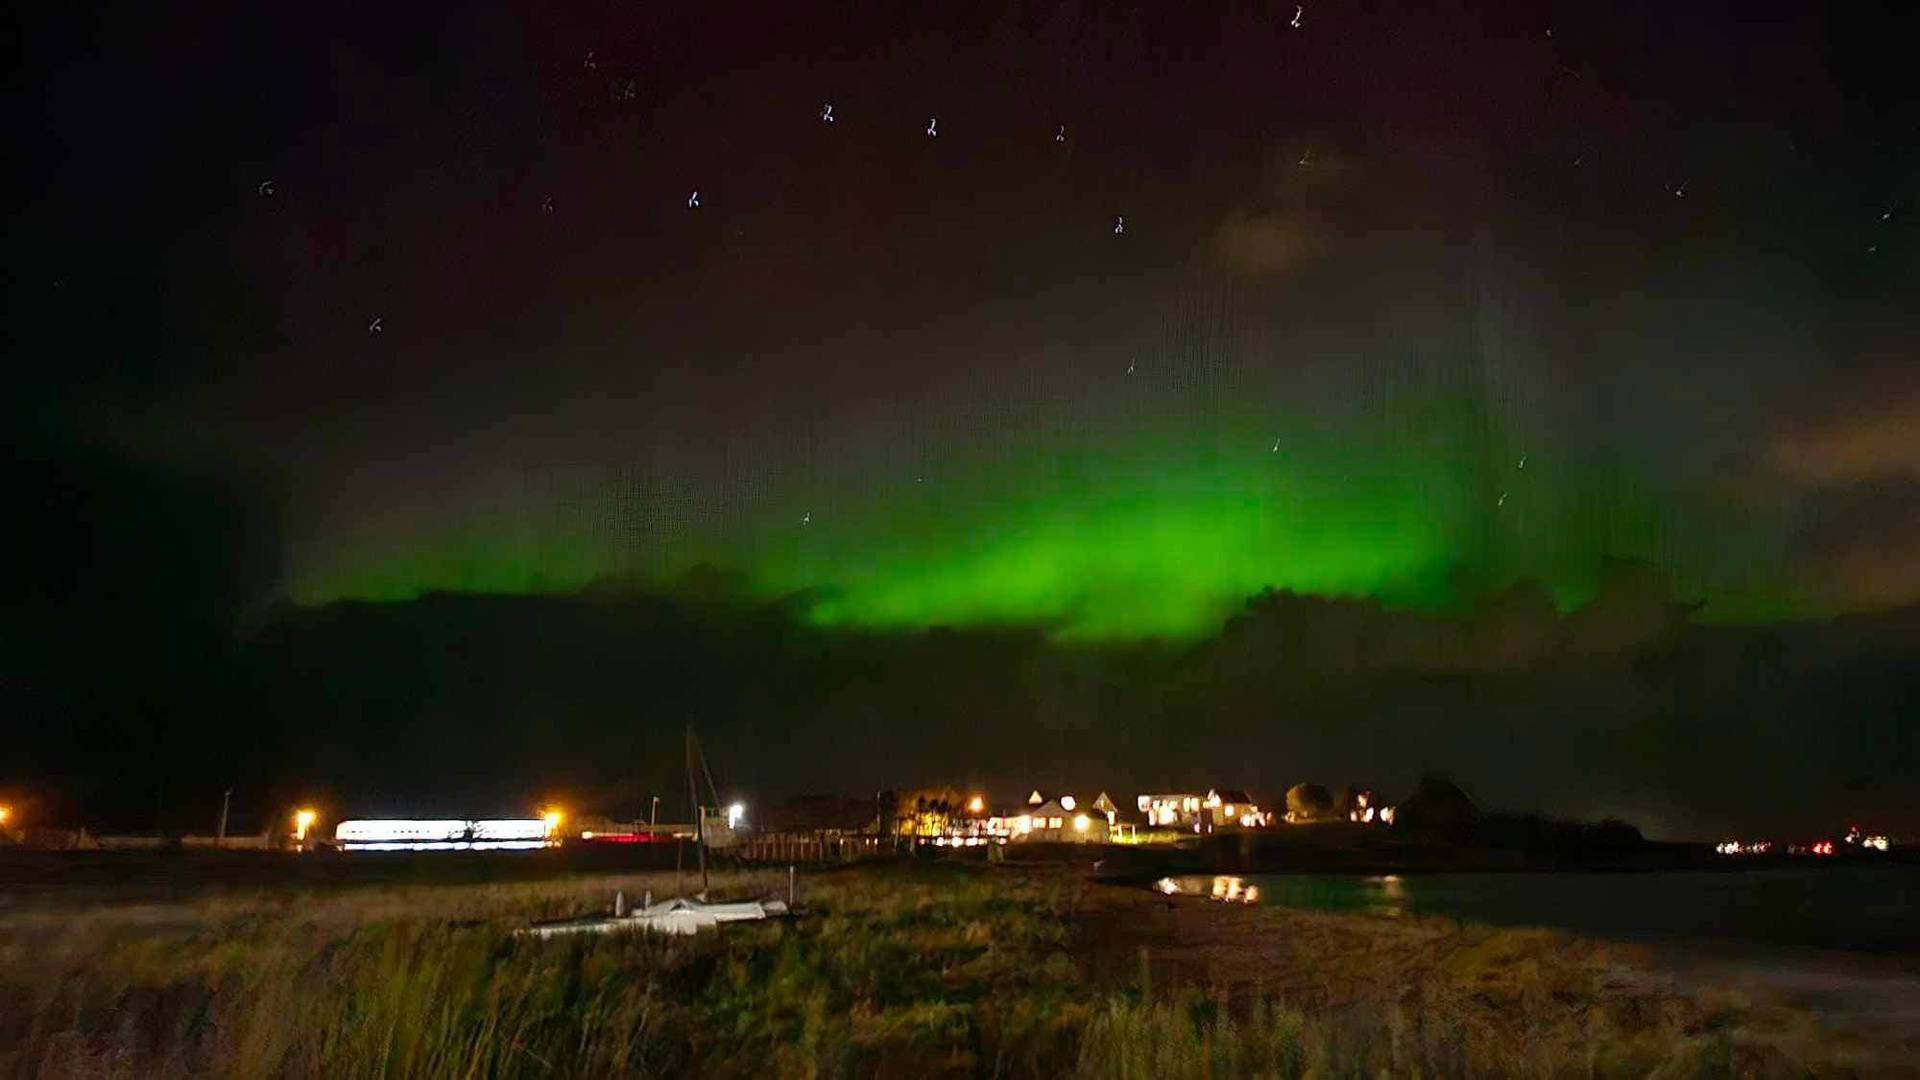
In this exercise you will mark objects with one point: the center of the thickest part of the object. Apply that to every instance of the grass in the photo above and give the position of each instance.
(902, 970)
(898, 970)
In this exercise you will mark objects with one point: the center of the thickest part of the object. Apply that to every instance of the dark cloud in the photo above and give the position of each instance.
(1858, 543)
(1850, 453)
(1864, 427)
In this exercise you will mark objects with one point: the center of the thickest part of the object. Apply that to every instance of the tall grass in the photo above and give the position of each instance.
(895, 971)
(1191, 1035)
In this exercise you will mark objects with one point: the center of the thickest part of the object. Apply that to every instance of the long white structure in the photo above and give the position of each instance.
(444, 834)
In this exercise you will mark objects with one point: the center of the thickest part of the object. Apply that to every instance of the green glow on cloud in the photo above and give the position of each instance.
(1106, 546)
(1151, 535)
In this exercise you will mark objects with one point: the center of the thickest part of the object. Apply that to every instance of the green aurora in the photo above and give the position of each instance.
(1153, 535)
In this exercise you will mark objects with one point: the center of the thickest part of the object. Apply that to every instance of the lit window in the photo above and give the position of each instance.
(1053, 823)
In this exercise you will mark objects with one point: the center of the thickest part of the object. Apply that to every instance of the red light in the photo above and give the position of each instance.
(619, 838)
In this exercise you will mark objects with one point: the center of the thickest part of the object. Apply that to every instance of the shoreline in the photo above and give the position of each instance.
(1863, 1002)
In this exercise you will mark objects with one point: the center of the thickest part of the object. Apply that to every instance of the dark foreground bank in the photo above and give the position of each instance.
(910, 969)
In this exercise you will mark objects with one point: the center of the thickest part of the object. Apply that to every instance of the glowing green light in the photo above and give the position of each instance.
(1142, 537)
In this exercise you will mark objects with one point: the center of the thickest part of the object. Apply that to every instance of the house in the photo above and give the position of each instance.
(1231, 809)
(1059, 820)
(1172, 810)
(1219, 808)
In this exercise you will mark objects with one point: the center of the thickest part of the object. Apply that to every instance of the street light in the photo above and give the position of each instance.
(552, 818)
(5, 813)
(734, 814)
(976, 804)
(302, 821)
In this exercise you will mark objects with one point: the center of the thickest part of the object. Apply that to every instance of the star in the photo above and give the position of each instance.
(1523, 462)
(374, 327)
(1298, 11)
(1503, 499)
(266, 190)
(826, 112)
(806, 518)
(933, 128)
(1276, 447)
(546, 204)
(1060, 135)
(693, 201)
(1119, 225)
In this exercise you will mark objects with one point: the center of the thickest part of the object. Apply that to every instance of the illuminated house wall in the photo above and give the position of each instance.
(1058, 821)
(1229, 809)
(1173, 810)
(1191, 811)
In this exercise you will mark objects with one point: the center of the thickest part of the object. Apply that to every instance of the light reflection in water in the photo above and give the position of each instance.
(1232, 890)
(1837, 905)
(1377, 895)
(1392, 894)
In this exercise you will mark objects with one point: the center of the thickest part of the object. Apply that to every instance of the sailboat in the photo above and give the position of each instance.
(681, 915)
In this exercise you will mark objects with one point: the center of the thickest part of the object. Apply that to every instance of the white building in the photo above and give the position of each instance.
(1193, 812)
(1059, 820)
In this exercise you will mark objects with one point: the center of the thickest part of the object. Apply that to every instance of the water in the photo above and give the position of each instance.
(1862, 907)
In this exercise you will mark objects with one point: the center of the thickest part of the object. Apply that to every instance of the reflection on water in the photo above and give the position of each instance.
(1854, 907)
(1222, 888)
(1392, 891)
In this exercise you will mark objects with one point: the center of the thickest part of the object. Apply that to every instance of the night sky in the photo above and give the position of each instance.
(1083, 323)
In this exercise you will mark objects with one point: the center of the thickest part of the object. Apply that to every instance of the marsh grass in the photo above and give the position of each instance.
(895, 971)
(921, 971)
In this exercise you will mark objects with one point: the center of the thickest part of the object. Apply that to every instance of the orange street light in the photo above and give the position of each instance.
(302, 821)
(976, 804)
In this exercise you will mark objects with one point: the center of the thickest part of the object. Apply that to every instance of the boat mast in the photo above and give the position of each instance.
(699, 816)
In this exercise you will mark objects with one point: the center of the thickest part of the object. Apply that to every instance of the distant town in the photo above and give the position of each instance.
(827, 826)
